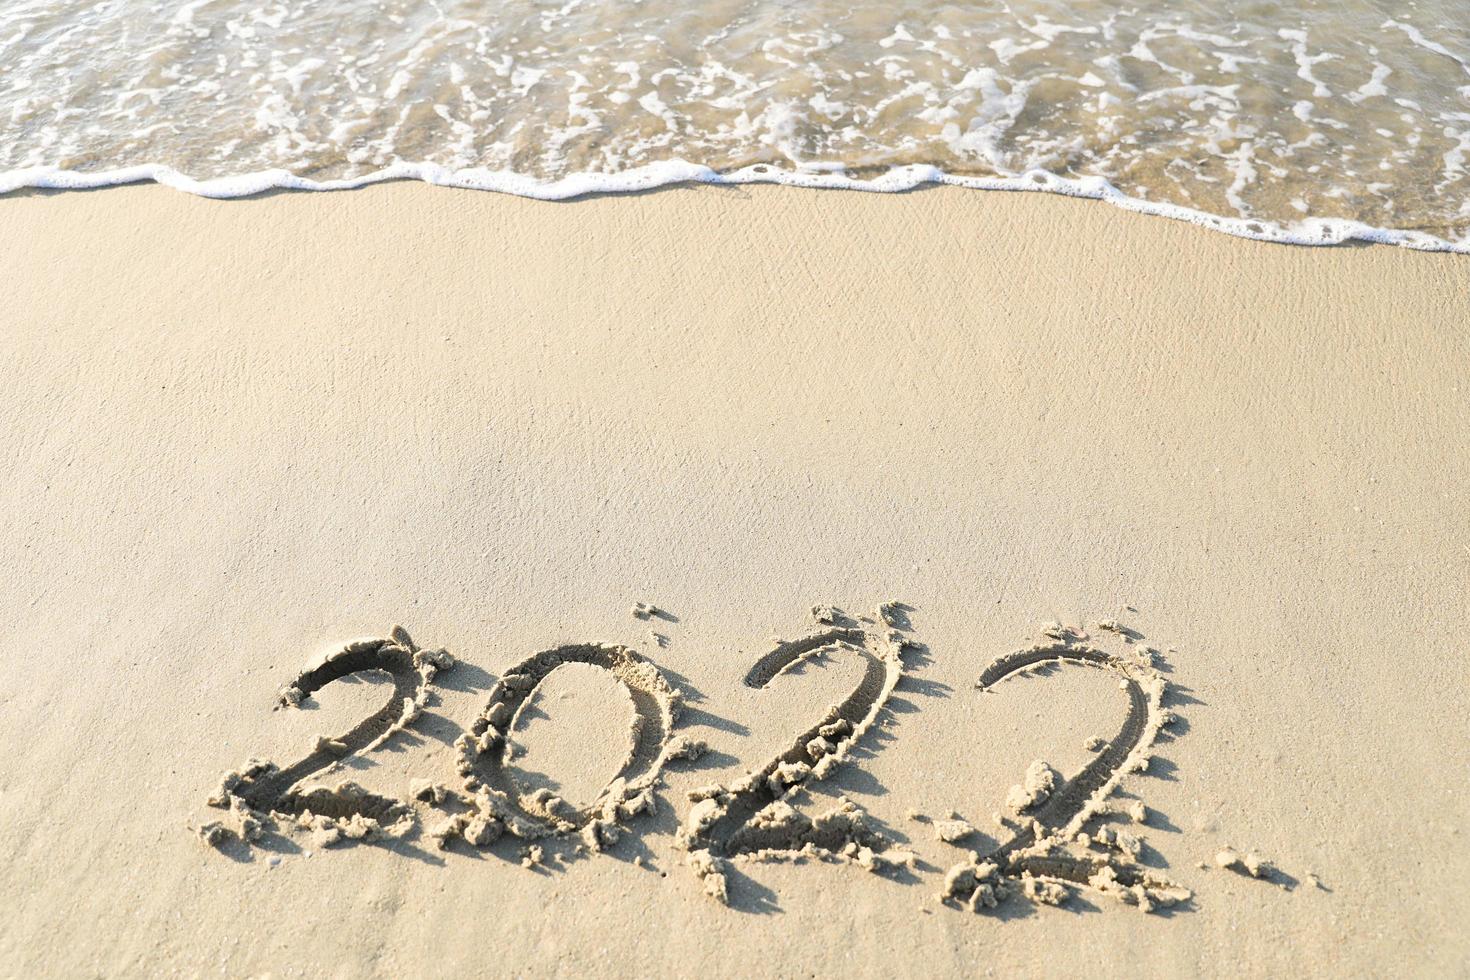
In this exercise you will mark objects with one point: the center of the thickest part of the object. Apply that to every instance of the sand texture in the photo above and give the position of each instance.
(417, 582)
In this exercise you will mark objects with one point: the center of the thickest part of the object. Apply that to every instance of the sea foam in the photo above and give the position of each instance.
(1281, 126)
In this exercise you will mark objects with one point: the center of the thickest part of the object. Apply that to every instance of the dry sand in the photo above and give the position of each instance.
(236, 435)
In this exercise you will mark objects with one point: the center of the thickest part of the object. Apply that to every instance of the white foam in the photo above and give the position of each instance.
(1306, 62)
(1307, 231)
(1374, 87)
(1414, 34)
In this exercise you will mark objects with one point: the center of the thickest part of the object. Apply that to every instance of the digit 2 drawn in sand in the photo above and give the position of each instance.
(496, 804)
(750, 817)
(1051, 853)
(261, 792)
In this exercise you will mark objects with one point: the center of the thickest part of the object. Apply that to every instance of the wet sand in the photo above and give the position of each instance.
(240, 434)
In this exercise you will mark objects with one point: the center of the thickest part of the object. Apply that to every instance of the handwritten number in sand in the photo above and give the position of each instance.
(1051, 852)
(498, 805)
(262, 791)
(1063, 834)
(751, 816)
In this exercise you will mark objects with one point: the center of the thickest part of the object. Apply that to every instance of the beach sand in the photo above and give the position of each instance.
(239, 434)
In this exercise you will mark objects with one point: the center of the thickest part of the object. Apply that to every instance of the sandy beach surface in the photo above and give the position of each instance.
(237, 435)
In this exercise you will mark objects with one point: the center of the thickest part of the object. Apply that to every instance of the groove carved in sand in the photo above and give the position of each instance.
(262, 794)
(496, 805)
(1052, 853)
(750, 818)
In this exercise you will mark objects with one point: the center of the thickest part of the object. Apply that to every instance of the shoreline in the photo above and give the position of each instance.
(1308, 231)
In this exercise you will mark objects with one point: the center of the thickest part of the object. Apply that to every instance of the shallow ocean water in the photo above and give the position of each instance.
(1303, 120)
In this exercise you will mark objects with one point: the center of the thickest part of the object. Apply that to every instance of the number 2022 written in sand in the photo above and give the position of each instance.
(1062, 834)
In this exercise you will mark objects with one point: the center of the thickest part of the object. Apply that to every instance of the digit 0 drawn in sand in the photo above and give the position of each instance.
(261, 794)
(1052, 853)
(496, 804)
(751, 817)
